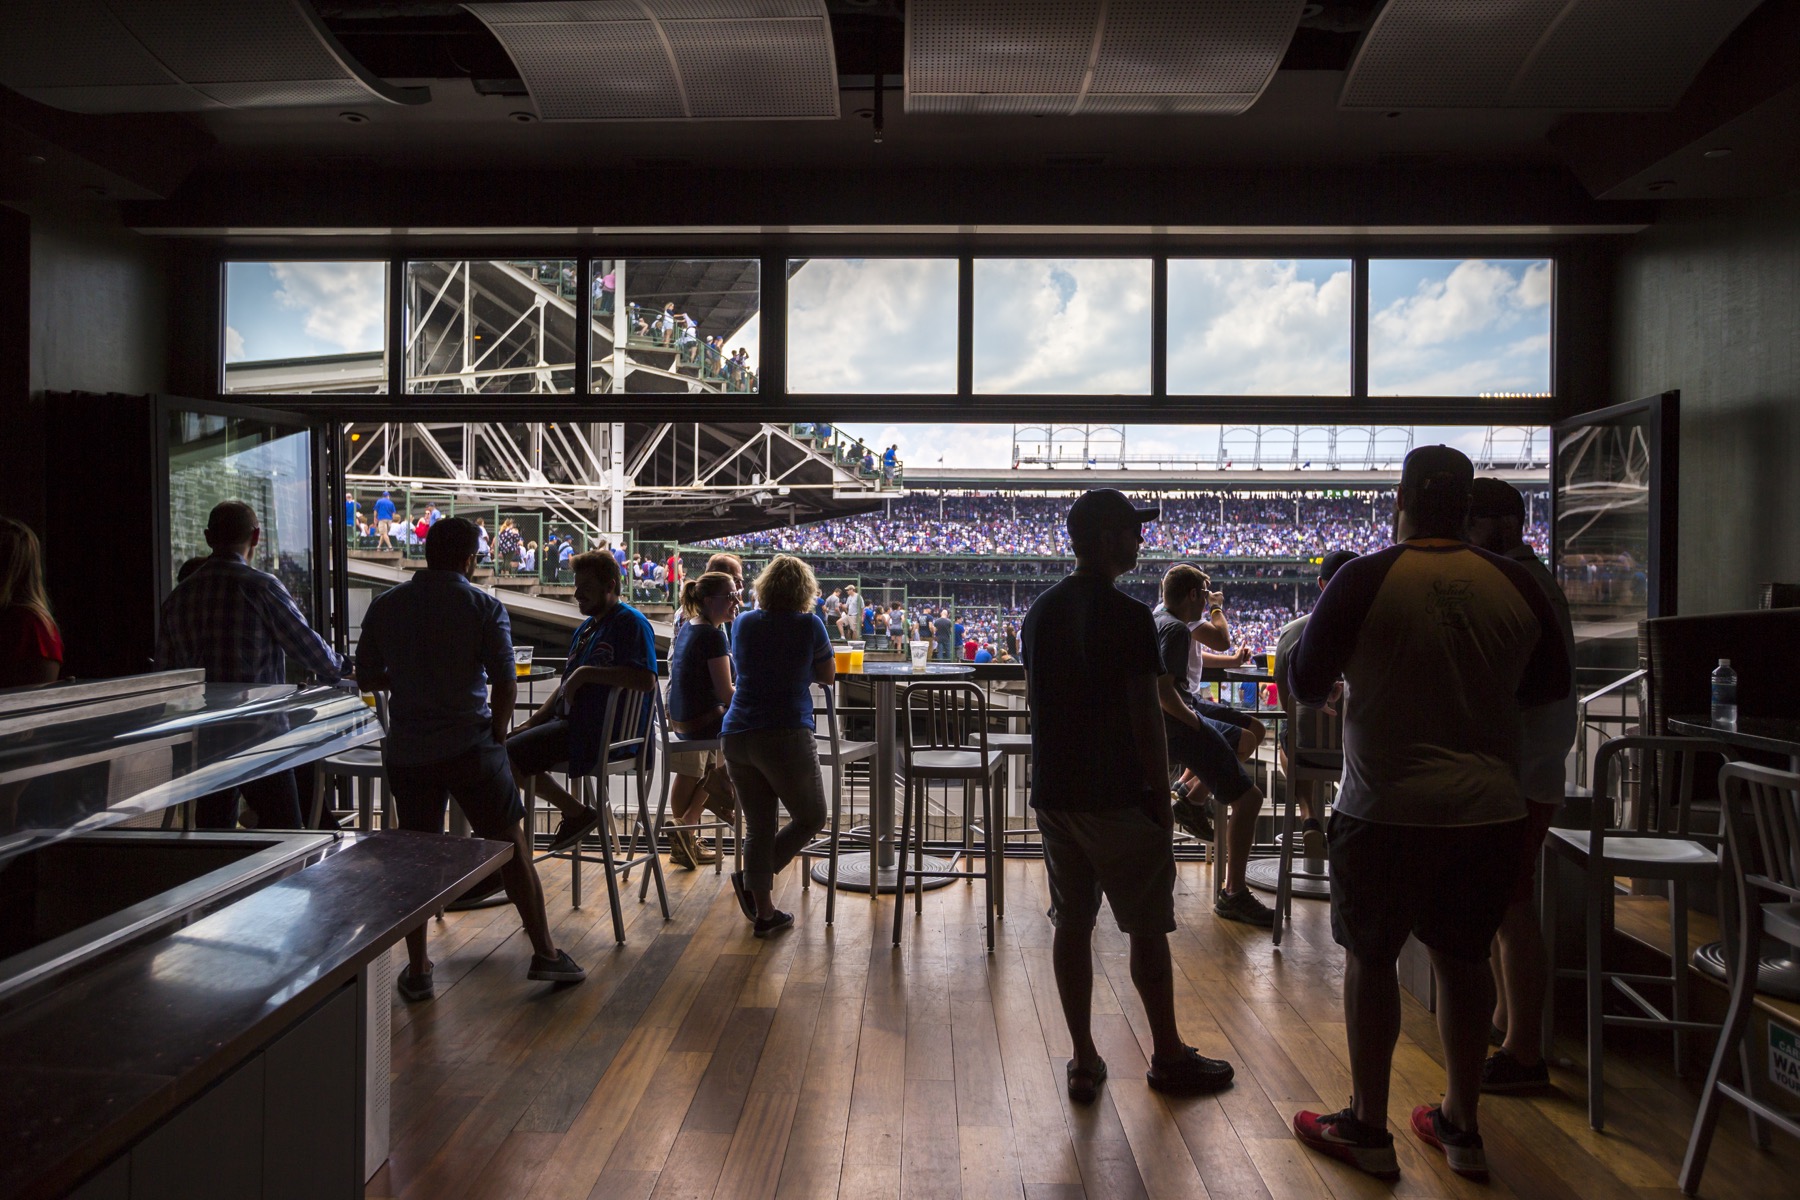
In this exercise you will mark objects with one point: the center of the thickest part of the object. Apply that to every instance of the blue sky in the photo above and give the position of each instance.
(300, 309)
(1458, 327)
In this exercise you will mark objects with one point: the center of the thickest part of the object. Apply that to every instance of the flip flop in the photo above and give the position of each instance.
(1084, 1086)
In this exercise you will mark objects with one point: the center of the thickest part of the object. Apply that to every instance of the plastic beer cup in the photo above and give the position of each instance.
(856, 657)
(522, 660)
(919, 652)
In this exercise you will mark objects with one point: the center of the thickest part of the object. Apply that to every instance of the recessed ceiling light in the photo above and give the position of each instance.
(353, 118)
(1660, 184)
(1717, 152)
(522, 117)
(865, 113)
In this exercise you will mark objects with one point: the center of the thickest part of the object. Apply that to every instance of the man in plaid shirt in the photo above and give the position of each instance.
(240, 624)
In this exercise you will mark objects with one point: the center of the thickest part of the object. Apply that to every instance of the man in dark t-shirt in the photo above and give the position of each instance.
(1099, 783)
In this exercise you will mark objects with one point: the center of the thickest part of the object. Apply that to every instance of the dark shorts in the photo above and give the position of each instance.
(1212, 755)
(1531, 847)
(1447, 886)
(481, 780)
(534, 751)
(1121, 853)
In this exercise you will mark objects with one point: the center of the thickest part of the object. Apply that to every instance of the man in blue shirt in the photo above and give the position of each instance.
(613, 648)
(438, 643)
(384, 521)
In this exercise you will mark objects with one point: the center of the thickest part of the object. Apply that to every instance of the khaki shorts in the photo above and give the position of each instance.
(694, 764)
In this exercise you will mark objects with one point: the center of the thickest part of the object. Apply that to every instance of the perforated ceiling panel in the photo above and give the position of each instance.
(111, 56)
(1093, 56)
(1563, 54)
(611, 60)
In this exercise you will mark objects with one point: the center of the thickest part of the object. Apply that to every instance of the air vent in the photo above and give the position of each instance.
(1062, 57)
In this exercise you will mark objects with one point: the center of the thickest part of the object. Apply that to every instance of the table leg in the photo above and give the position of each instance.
(881, 787)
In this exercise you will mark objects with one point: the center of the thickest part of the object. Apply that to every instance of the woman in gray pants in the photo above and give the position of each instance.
(780, 650)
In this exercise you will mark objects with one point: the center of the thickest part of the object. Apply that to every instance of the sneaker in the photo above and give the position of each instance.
(774, 925)
(1504, 1073)
(680, 850)
(703, 851)
(1193, 818)
(560, 969)
(746, 902)
(1342, 1136)
(1463, 1150)
(569, 831)
(1312, 844)
(414, 988)
(1189, 1074)
(1244, 907)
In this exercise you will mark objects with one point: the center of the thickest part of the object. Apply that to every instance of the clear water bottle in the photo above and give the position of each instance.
(1724, 696)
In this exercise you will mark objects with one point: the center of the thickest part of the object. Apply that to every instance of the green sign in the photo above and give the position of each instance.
(1784, 1058)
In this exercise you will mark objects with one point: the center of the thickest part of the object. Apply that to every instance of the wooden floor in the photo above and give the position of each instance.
(699, 1062)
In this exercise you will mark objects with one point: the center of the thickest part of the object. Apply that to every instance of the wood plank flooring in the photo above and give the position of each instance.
(699, 1062)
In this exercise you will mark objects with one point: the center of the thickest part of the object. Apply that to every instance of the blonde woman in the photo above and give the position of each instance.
(31, 649)
(780, 650)
(700, 690)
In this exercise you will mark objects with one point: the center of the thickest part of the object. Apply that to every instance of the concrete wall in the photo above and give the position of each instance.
(1708, 301)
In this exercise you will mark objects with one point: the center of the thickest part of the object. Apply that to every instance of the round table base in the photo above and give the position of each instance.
(1262, 874)
(854, 869)
(1778, 977)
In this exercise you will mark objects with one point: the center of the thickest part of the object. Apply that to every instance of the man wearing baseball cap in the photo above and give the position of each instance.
(1521, 964)
(1100, 785)
(1440, 645)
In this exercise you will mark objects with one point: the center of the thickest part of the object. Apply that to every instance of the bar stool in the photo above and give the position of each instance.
(836, 753)
(366, 768)
(1009, 745)
(1762, 830)
(1314, 742)
(625, 752)
(1658, 843)
(672, 743)
(954, 748)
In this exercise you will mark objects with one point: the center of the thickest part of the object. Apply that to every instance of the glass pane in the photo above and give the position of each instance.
(269, 467)
(1071, 326)
(1259, 327)
(676, 324)
(491, 326)
(872, 325)
(1459, 327)
(305, 327)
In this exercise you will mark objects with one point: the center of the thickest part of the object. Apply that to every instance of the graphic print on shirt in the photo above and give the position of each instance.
(1450, 602)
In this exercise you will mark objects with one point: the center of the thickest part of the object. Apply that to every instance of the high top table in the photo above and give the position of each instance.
(1779, 977)
(874, 871)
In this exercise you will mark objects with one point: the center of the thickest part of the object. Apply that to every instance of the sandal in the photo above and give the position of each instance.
(1084, 1086)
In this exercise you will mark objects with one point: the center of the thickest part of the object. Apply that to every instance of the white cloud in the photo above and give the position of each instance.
(1479, 327)
(1254, 327)
(343, 304)
(1070, 326)
(872, 325)
(234, 345)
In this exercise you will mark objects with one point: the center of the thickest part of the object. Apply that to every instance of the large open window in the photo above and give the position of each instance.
(676, 324)
(1063, 326)
(490, 326)
(1259, 327)
(304, 327)
(872, 325)
(1459, 327)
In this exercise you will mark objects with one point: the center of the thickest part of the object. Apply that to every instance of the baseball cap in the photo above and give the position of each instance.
(1332, 562)
(1428, 468)
(1490, 497)
(1106, 508)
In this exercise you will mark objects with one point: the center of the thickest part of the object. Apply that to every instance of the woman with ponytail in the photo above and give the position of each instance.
(700, 690)
(31, 647)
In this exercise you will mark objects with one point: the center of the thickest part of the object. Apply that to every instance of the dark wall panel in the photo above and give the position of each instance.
(1708, 301)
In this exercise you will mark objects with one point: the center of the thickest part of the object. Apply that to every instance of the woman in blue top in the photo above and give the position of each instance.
(700, 688)
(781, 650)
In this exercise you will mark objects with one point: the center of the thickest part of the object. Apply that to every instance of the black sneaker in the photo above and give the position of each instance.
(1243, 907)
(1343, 1137)
(1504, 1073)
(569, 831)
(1463, 1149)
(1189, 1074)
(560, 969)
(774, 925)
(1192, 818)
(414, 988)
(746, 902)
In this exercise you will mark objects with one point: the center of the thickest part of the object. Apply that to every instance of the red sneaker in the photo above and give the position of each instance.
(1463, 1150)
(1347, 1139)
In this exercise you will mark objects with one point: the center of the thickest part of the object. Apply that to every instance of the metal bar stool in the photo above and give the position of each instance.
(1657, 841)
(625, 752)
(1314, 742)
(673, 743)
(1008, 744)
(366, 769)
(953, 747)
(836, 753)
(1762, 855)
